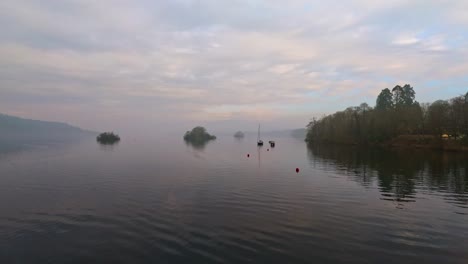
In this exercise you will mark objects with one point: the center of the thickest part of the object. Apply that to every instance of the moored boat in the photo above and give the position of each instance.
(259, 141)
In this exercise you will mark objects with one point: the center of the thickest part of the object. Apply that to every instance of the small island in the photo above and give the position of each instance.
(198, 134)
(108, 138)
(239, 134)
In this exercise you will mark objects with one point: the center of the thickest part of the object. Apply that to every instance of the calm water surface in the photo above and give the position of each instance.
(162, 201)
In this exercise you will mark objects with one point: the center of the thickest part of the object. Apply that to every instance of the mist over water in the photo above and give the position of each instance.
(160, 199)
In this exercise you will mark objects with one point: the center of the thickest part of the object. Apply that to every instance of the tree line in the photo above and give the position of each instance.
(396, 113)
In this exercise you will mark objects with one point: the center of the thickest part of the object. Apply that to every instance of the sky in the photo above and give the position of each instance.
(172, 64)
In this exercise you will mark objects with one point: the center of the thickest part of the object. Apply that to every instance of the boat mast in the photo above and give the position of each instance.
(258, 137)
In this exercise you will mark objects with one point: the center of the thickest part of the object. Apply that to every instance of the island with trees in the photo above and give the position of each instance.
(397, 120)
(198, 135)
(239, 134)
(107, 138)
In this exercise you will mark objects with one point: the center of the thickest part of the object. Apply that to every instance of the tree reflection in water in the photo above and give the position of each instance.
(197, 144)
(108, 146)
(399, 173)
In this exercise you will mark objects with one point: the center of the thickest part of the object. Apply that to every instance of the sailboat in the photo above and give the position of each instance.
(272, 143)
(259, 141)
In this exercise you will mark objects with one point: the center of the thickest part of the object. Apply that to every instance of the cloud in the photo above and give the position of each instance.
(283, 68)
(406, 41)
(185, 61)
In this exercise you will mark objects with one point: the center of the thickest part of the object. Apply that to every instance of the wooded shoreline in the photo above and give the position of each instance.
(397, 120)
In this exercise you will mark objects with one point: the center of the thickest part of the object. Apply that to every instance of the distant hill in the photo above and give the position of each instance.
(299, 133)
(19, 129)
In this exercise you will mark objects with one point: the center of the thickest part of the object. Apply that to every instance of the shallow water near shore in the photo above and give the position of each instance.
(165, 201)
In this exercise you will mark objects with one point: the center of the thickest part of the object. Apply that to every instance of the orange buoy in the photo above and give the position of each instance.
(297, 170)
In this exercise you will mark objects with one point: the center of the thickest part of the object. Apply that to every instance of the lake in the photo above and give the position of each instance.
(163, 201)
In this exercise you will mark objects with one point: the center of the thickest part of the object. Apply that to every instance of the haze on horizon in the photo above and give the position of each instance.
(174, 64)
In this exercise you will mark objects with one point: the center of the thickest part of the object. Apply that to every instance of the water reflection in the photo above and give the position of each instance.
(197, 144)
(108, 146)
(10, 147)
(238, 139)
(399, 174)
(7, 147)
(259, 156)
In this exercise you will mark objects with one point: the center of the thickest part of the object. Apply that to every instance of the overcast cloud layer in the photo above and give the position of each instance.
(176, 63)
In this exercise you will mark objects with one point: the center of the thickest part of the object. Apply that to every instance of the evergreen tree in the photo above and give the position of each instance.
(384, 100)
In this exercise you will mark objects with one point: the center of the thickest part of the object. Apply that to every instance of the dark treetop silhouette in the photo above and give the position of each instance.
(108, 138)
(198, 134)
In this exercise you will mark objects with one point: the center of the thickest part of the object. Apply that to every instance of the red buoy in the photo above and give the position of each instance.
(297, 170)
(248, 155)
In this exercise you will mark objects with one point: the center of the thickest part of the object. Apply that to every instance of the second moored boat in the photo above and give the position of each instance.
(272, 143)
